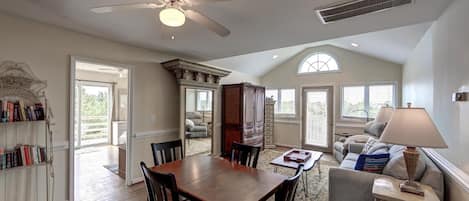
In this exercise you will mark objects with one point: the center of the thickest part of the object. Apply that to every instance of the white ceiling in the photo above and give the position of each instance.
(393, 45)
(256, 25)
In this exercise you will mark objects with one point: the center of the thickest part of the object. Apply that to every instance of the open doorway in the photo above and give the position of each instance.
(101, 122)
(199, 121)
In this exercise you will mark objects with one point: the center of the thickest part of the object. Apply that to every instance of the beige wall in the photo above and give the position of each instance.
(47, 49)
(354, 69)
(435, 75)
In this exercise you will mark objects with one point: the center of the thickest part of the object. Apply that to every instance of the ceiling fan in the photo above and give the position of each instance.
(173, 13)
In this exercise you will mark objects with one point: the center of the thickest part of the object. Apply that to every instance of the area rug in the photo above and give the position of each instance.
(113, 168)
(318, 186)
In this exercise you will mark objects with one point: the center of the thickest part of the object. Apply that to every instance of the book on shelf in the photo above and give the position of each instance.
(22, 155)
(12, 111)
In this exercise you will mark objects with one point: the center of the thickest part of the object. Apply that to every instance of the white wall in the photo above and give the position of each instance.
(417, 75)
(449, 58)
(47, 49)
(355, 68)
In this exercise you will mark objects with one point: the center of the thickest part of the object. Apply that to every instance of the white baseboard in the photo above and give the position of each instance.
(287, 145)
(449, 168)
(137, 180)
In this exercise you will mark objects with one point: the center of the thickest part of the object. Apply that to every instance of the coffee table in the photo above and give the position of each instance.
(307, 166)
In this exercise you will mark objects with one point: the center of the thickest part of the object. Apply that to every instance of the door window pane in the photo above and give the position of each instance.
(380, 95)
(316, 118)
(353, 103)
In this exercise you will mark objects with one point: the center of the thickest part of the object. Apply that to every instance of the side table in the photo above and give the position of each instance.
(387, 189)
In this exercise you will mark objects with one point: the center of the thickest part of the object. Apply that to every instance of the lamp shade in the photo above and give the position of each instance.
(412, 127)
(384, 114)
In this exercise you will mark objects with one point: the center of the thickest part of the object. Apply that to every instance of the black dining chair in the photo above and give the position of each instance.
(244, 154)
(160, 187)
(288, 188)
(168, 151)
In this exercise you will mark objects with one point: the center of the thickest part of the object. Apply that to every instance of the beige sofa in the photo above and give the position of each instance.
(347, 184)
(372, 129)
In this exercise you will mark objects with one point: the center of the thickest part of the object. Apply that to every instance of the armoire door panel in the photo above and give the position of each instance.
(231, 114)
(249, 106)
(230, 137)
(260, 100)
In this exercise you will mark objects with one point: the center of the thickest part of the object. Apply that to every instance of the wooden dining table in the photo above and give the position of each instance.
(213, 179)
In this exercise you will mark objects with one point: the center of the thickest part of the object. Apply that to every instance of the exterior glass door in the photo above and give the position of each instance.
(317, 118)
(93, 105)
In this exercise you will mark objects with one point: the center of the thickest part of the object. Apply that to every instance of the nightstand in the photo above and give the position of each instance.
(387, 189)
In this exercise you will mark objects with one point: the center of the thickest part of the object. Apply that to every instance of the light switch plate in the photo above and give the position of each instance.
(460, 96)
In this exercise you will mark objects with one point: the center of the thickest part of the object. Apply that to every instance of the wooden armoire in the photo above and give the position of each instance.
(242, 115)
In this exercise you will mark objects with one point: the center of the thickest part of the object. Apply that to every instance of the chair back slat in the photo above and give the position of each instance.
(159, 185)
(167, 151)
(288, 188)
(245, 154)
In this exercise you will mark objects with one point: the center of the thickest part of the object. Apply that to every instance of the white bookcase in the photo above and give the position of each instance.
(33, 181)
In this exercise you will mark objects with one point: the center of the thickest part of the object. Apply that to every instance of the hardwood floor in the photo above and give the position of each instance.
(93, 182)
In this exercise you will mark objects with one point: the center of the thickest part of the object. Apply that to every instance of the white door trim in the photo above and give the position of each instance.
(130, 116)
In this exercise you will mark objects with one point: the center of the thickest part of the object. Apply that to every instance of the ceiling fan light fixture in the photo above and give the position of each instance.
(172, 17)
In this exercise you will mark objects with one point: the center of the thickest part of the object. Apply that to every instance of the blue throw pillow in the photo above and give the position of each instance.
(372, 163)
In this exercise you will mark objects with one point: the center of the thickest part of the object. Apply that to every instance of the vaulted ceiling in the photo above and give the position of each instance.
(393, 45)
(256, 25)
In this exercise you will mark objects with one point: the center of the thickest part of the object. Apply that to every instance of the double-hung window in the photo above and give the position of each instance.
(284, 101)
(364, 101)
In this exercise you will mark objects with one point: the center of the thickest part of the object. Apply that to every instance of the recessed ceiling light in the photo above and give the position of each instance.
(354, 44)
(275, 56)
(172, 37)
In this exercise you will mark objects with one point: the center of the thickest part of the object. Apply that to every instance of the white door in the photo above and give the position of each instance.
(317, 118)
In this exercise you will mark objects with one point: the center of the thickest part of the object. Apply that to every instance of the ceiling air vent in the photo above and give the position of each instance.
(348, 9)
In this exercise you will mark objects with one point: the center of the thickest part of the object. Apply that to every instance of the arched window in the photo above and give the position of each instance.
(318, 62)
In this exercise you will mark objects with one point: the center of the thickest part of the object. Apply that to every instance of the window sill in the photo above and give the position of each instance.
(285, 116)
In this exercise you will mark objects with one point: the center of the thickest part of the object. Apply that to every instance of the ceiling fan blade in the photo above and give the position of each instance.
(197, 2)
(207, 22)
(124, 7)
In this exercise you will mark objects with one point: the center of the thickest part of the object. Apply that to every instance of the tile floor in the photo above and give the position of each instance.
(93, 182)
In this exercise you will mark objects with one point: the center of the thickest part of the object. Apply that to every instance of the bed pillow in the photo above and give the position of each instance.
(373, 163)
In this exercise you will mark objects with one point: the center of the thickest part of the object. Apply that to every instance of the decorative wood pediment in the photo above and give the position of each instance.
(195, 74)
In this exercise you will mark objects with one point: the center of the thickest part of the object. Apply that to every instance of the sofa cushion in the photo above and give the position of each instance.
(348, 164)
(357, 139)
(373, 163)
(396, 165)
(352, 157)
(374, 128)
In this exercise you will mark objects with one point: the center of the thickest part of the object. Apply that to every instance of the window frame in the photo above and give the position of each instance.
(367, 98)
(279, 102)
(299, 73)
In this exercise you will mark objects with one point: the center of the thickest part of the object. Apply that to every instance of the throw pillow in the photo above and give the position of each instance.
(396, 166)
(369, 144)
(374, 163)
(374, 128)
(189, 124)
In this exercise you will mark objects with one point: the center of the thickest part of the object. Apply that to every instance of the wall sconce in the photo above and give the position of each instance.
(460, 96)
